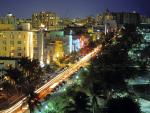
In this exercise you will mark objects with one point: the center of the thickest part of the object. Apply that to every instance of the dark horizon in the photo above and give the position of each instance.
(72, 9)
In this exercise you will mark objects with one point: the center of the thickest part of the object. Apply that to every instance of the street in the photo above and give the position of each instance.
(47, 88)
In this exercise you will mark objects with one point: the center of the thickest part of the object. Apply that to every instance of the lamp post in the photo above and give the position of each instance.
(46, 107)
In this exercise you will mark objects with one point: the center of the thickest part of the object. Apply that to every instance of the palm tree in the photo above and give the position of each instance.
(24, 64)
(15, 77)
(31, 69)
(33, 73)
(78, 104)
(122, 105)
(27, 77)
(33, 101)
(113, 67)
(93, 87)
(95, 105)
(6, 87)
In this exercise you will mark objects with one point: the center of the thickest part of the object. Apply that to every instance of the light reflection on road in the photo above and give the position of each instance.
(44, 90)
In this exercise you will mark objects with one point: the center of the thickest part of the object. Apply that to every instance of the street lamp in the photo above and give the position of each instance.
(46, 107)
(77, 77)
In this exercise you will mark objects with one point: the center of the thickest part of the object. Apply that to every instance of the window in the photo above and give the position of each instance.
(11, 36)
(11, 42)
(19, 42)
(4, 48)
(12, 48)
(19, 36)
(19, 54)
(19, 48)
(4, 42)
(1, 36)
(11, 54)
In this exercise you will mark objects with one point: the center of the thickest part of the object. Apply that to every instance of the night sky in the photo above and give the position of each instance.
(72, 8)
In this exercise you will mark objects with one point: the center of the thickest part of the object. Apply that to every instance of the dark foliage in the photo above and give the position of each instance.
(79, 103)
(122, 105)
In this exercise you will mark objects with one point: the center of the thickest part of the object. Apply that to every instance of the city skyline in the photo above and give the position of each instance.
(72, 9)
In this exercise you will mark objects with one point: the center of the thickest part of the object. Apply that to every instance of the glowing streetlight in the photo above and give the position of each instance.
(42, 25)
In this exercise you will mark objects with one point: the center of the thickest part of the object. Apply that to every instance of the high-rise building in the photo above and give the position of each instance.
(47, 20)
(17, 44)
(145, 19)
(50, 46)
(8, 22)
(120, 17)
(8, 19)
(107, 20)
(126, 18)
(59, 51)
(98, 19)
(104, 17)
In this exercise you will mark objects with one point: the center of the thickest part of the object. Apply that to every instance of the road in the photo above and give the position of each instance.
(22, 107)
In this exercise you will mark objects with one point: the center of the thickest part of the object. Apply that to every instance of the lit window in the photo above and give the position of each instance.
(19, 48)
(12, 48)
(19, 54)
(4, 42)
(19, 36)
(11, 42)
(4, 48)
(19, 42)
(11, 36)
(12, 54)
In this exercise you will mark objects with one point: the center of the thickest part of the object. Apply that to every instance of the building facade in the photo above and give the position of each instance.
(145, 19)
(120, 17)
(126, 18)
(8, 19)
(47, 20)
(8, 22)
(18, 44)
(59, 51)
